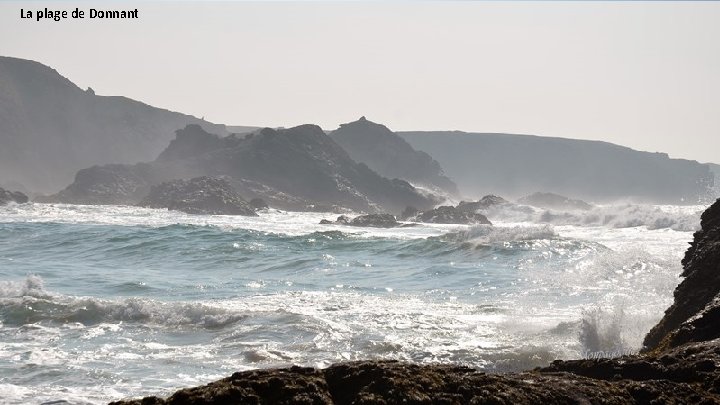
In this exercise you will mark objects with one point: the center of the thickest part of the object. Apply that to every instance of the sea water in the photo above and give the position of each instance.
(100, 303)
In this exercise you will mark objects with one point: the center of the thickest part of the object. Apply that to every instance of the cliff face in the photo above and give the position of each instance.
(50, 128)
(517, 165)
(289, 168)
(695, 314)
(681, 365)
(390, 155)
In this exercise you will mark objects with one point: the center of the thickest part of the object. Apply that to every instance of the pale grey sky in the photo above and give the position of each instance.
(640, 74)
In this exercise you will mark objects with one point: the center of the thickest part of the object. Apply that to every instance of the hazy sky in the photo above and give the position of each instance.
(641, 74)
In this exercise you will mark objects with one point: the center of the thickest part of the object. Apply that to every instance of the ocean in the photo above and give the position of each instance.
(100, 303)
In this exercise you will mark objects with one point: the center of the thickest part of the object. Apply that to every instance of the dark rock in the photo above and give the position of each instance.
(409, 213)
(201, 195)
(695, 314)
(451, 215)
(258, 204)
(390, 155)
(109, 184)
(7, 197)
(552, 201)
(299, 168)
(482, 204)
(370, 220)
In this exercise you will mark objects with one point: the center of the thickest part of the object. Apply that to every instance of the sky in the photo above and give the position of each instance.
(640, 74)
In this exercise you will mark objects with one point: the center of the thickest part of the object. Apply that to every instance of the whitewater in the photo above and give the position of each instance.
(99, 303)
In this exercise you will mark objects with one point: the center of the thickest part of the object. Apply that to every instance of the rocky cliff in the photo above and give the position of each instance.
(680, 364)
(299, 168)
(390, 155)
(517, 165)
(50, 128)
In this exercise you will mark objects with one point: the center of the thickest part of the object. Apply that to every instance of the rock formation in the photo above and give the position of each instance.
(484, 203)
(552, 201)
(50, 128)
(299, 168)
(12, 196)
(390, 155)
(369, 220)
(681, 364)
(200, 195)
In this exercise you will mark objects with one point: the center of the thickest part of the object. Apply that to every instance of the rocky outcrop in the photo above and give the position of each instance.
(7, 197)
(391, 156)
(109, 184)
(50, 128)
(695, 314)
(484, 203)
(552, 201)
(370, 220)
(451, 215)
(299, 168)
(201, 195)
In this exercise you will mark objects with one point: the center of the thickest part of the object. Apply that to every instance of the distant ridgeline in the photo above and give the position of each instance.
(516, 165)
(50, 128)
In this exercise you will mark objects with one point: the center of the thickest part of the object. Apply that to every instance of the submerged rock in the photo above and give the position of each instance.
(370, 220)
(12, 196)
(552, 201)
(201, 195)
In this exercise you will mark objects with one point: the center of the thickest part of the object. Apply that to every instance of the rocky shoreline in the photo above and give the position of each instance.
(679, 364)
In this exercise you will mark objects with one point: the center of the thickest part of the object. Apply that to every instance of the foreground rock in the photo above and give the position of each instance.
(12, 196)
(552, 201)
(201, 195)
(680, 364)
(370, 220)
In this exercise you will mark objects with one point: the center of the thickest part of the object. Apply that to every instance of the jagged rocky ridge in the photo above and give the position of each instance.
(299, 168)
(679, 365)
(391, 156)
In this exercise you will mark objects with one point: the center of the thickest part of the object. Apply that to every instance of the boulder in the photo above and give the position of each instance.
(258, 204)
(7, 197)
(482, 204)
(200, 195)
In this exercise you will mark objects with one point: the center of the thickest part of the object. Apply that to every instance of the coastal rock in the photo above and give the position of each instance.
(108, 184)
(258, 204)
(451, 215)
(370, 220)
(299, 169)
(391, 156)
(12, 196)
(695, 314)
(552, 201)
(484, 203)
(200, 195)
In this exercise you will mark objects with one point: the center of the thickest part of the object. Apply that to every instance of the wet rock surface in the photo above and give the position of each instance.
(369, 220)
(7, 197)
(447, 215)
(200, 195)
(679, 366)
